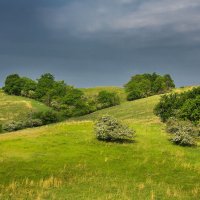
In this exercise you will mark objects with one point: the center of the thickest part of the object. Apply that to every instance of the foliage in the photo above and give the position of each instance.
(45, 84)
(191, 109)
(29, 123)
(13, 84)
(19, 125)
(183, 106)
(183, 137)
(173, 125)
(110, 129)
(69, 101)
(13, 126)
(107, 99)
(46, 117)
(144, 85)
(28, 87)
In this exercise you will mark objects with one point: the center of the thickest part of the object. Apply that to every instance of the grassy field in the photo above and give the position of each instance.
(65, 161)
(13, 107)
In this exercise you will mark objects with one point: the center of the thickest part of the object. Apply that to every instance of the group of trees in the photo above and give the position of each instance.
(144, 85)
(58, 95)
(185, 106)
(182, 114)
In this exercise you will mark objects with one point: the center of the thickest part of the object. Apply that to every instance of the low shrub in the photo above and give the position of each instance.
(173, 125)
(13, 126)
(29, 123)
(183, 138)
(108, 128)
(47, 117)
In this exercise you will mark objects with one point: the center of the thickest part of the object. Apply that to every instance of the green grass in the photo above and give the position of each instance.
(65, 161)
(94, 91)
(15, 108)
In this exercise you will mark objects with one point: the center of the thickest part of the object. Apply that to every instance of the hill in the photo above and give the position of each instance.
(14, 107)
(65, 161)
(94, 91)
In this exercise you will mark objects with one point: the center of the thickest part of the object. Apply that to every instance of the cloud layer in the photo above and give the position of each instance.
(82, 40)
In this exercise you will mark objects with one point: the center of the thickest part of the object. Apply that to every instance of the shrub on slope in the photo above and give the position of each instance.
(110, 129)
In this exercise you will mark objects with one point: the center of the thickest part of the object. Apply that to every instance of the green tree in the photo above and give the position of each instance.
(29, 86)
(144, 85)
(13, 84)
(107, 99)
(45, 84)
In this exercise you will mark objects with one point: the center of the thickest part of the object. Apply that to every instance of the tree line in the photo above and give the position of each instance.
(145, 85)
(58, 95)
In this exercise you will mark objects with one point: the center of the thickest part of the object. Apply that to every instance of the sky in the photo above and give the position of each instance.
(91, 43)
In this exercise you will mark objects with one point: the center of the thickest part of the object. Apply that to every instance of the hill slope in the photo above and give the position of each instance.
(65, 161)
(94, 91)
(13, 107)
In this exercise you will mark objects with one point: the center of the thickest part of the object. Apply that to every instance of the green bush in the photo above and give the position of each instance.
(183, 138)
(29, 123)
(107, 99)
(47, 117)
(185, 106)
(13, 126)
(173, 125)
(108, 128)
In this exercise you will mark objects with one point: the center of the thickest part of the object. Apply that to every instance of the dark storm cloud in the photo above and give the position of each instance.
(100, 42)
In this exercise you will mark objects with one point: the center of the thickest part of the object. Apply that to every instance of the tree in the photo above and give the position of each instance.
(183, 106)
(45, 84)
(29, 86)
(144, 85)
(191, 110)
(138, 87)
(169, 81)
(13, 84)
(107, 99)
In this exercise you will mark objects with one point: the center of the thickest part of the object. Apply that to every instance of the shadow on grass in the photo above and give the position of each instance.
(119, 141)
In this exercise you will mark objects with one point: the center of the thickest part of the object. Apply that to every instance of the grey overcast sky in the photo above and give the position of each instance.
(100, 42)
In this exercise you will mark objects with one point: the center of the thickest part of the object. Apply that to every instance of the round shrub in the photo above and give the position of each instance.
(47, 117)
(29, 123)
(13, 126)
(108, 128)
(183, 137)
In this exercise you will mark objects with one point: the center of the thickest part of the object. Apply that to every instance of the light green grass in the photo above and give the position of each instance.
(65, 161)
(15, 108)
(94, 91)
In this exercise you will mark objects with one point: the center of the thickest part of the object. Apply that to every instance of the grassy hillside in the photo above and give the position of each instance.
(94, 91)
(13, 107)
(65, 161)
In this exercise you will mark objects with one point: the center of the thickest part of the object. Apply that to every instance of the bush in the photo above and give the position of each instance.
(110, 129)
(29, 123)
(13, 126)
(107, 99)
(185, 106)
(174, 125)
(47, 117)
(183, 138)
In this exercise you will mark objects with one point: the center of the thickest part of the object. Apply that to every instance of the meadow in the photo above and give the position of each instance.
(65, 161)
(14, 107)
